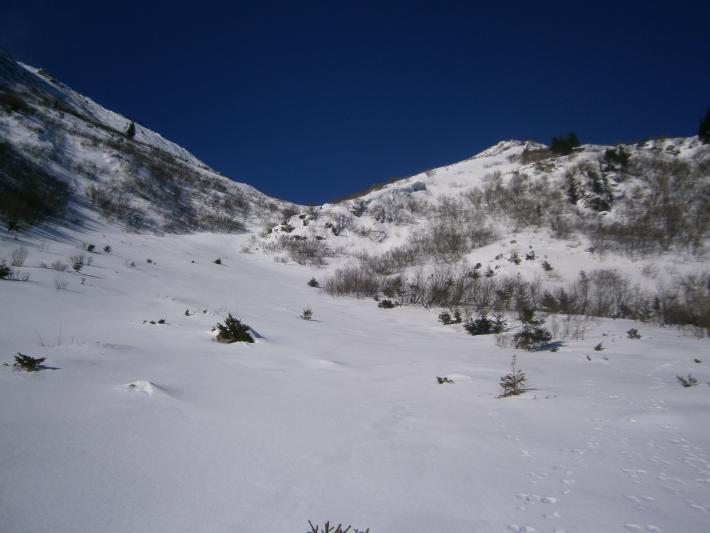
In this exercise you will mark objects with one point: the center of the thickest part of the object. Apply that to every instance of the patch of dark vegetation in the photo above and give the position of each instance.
(484, 325)
(233, 330)
(29, 194)
(13, 102)
(28, 363)
(332, 528)
(565, 144)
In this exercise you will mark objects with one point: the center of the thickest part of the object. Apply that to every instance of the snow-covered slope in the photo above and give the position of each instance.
(143, 181)
(156, 427)
(523, 185)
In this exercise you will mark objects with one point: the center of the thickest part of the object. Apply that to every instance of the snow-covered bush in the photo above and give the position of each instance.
(233, 330)
(387, 304)
(313, 282)
(5, 271)
(447, 318)
(633, 333)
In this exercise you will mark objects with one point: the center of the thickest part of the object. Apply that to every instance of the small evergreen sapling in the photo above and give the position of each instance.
(307, 314)
(633, 333)
(28, 363)
(533, 336)
(233, 330)
(484, 325)
(513, 383)
(313, 282)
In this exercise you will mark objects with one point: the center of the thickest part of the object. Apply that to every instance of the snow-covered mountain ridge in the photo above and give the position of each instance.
(53, 140)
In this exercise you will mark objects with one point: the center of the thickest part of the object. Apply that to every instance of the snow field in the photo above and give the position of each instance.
(160, 428)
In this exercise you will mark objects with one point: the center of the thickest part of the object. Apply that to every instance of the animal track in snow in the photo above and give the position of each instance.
(515, 528)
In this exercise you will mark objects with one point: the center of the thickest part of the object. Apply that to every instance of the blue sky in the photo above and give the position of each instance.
(308, 101)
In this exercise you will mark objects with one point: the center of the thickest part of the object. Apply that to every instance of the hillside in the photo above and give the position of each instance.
(67, 158)
(383, 417)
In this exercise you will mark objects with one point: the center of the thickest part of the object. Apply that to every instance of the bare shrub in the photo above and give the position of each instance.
(77, 262)
(60, 283)
(352, 281)
(18, 256)
(689, 381)
(16, 275)
(302, 250)
(332, 528)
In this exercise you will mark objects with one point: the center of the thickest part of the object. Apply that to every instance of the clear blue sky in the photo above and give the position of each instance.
(311, 100)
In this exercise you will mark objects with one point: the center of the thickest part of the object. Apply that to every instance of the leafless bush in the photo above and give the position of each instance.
(60, 283)
(16, 275)
(18, 256)
(332, 528)
(77, 261)
(352, 281)
(302, 250)
(58, 266)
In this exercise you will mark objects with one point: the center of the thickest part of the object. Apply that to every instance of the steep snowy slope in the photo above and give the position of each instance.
(64, 155)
